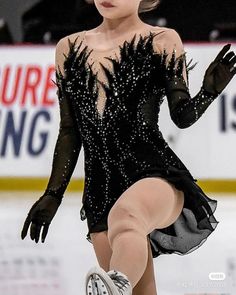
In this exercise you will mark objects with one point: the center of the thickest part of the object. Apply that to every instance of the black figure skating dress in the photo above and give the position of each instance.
(124, 143)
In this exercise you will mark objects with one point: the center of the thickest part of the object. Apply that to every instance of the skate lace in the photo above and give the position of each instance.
(120, 282)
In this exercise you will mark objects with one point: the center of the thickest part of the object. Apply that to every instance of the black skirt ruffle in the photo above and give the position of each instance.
(194, 224)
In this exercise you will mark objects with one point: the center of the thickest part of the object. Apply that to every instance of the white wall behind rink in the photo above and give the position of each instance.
(29, 117)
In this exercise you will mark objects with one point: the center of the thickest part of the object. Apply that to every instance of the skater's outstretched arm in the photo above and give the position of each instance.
(185, 110)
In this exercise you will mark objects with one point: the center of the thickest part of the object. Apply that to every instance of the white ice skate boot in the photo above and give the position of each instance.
(99, 282)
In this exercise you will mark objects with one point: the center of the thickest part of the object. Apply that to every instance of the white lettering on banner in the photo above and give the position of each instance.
(29, 116)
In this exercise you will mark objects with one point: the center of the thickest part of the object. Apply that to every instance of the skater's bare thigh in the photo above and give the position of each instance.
(154, 200)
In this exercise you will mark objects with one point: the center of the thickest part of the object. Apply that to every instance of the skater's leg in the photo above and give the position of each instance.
(102, 249)
(148, 204)
(146, 284)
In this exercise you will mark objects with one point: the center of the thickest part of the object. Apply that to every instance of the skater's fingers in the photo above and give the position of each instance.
(222, 52)
(227, 58)
(33, 230)
(25, 227)
(45, 231)
(37, 232)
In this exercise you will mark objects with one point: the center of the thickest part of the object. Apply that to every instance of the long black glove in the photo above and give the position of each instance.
(220, 71)
(40, 216)
(185, 110)
(65, 157)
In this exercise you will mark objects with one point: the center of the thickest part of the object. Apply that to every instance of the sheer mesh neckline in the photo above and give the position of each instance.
(146, 31)
(100, 75)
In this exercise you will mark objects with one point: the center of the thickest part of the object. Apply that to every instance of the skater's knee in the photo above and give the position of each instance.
(117, 212)
(121, 231)
(122, 221)
(121, 213)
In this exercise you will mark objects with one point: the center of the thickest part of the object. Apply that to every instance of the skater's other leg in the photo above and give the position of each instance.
(148, 204)
(102, 249)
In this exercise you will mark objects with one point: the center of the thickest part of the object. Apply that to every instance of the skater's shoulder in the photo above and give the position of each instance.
(166, 34)
(63, 43)
(167, 39)
(63, 46)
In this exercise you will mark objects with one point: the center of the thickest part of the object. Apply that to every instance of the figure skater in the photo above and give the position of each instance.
(139, 199)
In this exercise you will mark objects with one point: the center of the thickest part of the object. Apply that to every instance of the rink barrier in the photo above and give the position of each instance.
(35, 184)
(77, 184)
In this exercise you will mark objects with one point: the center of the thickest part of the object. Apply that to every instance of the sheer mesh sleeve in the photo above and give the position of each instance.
(68, 144)
(184, 109)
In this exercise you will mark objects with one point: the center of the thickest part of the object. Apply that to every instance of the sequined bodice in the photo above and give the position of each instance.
(121, 138)
(97, 59)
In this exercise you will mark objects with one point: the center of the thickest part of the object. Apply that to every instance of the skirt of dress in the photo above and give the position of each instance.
(194, 224)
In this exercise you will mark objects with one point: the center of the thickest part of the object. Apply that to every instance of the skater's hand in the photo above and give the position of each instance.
(220, 71)
(40, 216)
